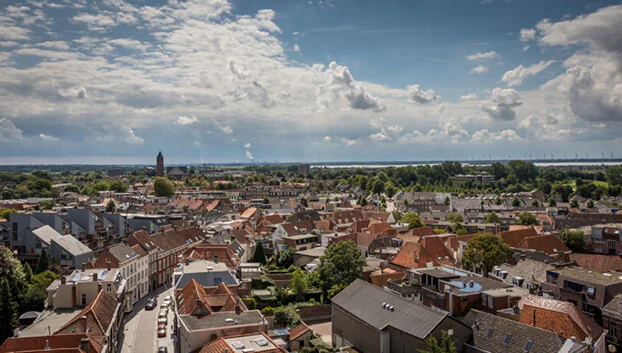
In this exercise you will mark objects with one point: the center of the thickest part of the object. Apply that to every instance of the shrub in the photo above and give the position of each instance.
(252, 304)
(268, 311)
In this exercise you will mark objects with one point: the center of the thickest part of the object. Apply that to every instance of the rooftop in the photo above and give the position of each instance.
(314, 252)
(223, 320)
(49, 322)
(86, 275)
(604, 279)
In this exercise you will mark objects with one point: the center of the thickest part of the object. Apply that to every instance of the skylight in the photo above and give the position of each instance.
(528, 346)
(507, 338)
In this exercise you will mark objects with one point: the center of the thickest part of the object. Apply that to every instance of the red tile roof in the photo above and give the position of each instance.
(597, 262)
(558, 316)
(206, 251)
(549, 244)
(421, 231)
(99, 314)
(454, 242)
(248, 213)
(380, 279)
(413, 255)
(219, 345)
(436, 247)
(513, 237)
(298, 331)
(56, 343)
(195, 300)
(381, 228)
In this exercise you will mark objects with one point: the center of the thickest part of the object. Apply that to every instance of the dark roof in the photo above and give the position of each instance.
(597, 262)
(365, 301)
(438, 273)
(490, 332)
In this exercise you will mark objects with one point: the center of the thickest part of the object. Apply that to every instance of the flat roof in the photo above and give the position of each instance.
(256, 342)
(301, 236)
(590, 276)
(313, 252)
(507, 292)
(438, 273)
(222, 319)
(87, 275)
(52, 319)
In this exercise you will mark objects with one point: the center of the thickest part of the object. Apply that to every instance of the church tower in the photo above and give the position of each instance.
(160, 165)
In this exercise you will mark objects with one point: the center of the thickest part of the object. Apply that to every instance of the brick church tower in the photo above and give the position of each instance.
(160, 165)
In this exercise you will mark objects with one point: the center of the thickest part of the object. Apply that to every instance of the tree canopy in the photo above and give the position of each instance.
(259, 254)
(526, 219)
(574, 240)
(446, 345)
(341, 264)
(485, 251)
(163, 187)
(491, 218)
(413, 220)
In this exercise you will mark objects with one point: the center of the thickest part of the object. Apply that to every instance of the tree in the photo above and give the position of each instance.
(163, 187)
(27, 272)
(299, 283)
(447, 344)
(491, 218)
(413, 220)
(485, 251)
(574, 240)
(6, 212)
(526, 219)
(377, 187)
(44, 263)
(614, 175)
(304, 202)
(252, 304)
(516, 202)
(590, 203)
(552, 202)
(574, 203)
(342, 263)
(259, 255)
(447, 201)
(286, 258)
(397, 215)
(111, 206)
(535, 203)
(454, 218)
(8, 310)
(266, 200)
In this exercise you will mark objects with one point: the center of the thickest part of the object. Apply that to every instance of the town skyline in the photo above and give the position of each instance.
(230, 81)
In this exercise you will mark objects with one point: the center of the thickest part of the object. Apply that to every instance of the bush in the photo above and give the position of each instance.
(292, 268)
(267, 311)
(252, 304)
(287, 316)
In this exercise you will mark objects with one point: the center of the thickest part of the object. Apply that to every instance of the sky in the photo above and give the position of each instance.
(247, 81)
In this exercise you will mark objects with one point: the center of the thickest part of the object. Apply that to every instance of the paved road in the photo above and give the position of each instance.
(141, 327)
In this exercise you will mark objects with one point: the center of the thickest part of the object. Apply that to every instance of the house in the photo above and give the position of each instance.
(299, 336)
(304, 257)
(101, 320)
(208, 316)
(414, 201)
(81, 287)
(283, 230)
(68, 251)
(597, 262)
(215, 252)
(514, 237)
(612, 321)
(257, 342)
(493, 333)
(562, 318)
(526, 273)
(302, 241)
(206, 273)
(347, 216)
(374, 320)
(548, 244)
(589, 290)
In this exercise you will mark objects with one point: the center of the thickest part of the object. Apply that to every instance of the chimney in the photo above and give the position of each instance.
(238, 308)
(83, 318)
(83, 266)
(84, 344)
(108, 264)
(215, 259)
(94, 276)
(63, 280)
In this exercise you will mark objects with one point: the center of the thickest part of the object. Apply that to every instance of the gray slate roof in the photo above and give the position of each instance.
(72, 245)
(46, 234)
(542, 341)
(530, 270)
(365, 301)
(123, 252)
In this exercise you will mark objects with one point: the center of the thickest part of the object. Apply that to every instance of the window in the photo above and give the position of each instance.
(109, 288)
(489, 334)
(507, 338)
(83, 299)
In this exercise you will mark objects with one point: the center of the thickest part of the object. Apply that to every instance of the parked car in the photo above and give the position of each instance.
(162, 330)
(162, 350)
(162, 320)
(151, 304)
(167, 301)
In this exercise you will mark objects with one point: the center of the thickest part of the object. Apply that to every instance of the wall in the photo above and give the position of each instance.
(355, 332)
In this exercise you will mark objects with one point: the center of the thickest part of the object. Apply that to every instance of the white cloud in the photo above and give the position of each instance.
(417, 95)
(447, 132)
(327, 139)
(469, 97)
(500, 104)
(8, 131)
(527, 34)
(48, 138)
(74, 93)
(129, 43)
(7, 44)
(297, 48)
(9, 32)
(118, 133)
(247, 145)
(348, 142)
(99, 22)
(485, 136)
(342, 84)
(197, 144)
(249, 155)
(60, 45)
(186, 120)
(483, 56)
(516, 76)
(478, 70)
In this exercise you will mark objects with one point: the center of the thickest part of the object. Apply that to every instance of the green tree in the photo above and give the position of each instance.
(447, 344)
(574, 203)
(535, 203)
(397, 215)
(574, 240)
(516, 202)
(252, 304)
(552, 202)
(259, 254)
(377, 187)
(390, 189)
(491, 218)
(614, 175)
(286, 258)
(485, 251)
(111, 206)
(44, 262)
(163, 187)
(8, 310)
(6, 212)
(590, 203)
(454, 218)
(299, 284)
(342, 263)
(526, 219)
(266, 200)
(27, 272)
(413, 220)
(447, 201)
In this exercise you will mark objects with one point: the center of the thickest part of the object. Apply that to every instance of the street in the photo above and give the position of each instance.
(140, 334)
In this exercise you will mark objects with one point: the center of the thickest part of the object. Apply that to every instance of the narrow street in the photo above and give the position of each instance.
(140, 334)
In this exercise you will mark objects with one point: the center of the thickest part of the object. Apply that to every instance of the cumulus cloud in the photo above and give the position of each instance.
(469, 97)
(196, 144)
(250, 88)
(418, 95)
(297, 48)
(118, 133)
(327, 139)
(249, 155)
(247, 145)
(527, 34)
(478, 70)
(8, 131)
(74, 93)
(348, 142)
(483, 56)
(341, 84)
(186, 120)
(516, 76)
(48, 138)
(485, 136)
(500, 104)
(449, 131)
